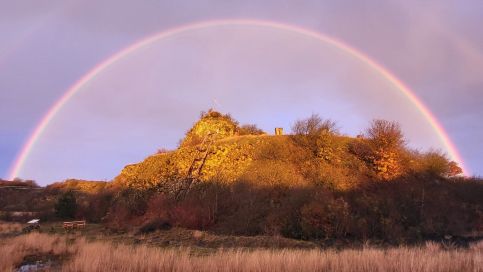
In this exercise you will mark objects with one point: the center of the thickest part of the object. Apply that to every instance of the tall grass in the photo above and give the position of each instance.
(104, 256)
(14, 250)
(6, 228)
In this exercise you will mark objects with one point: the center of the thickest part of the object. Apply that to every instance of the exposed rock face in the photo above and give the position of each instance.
(212, 124)
(225, 161)
(209, 151)
(213, 151)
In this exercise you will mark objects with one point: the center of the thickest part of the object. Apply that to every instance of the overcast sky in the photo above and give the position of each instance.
(264, 76)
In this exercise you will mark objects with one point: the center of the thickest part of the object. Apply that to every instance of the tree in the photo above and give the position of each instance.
(66, 206)
(454, 169)
(386, 140)
(385, 134)
(314, 125)
(317, 135)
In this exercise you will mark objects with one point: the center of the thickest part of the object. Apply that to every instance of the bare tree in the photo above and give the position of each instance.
(314, 125)
(385, 134)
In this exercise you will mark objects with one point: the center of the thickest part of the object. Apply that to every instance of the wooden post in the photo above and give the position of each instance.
(278, 131)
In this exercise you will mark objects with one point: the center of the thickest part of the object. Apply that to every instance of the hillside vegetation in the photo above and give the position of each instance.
(314, 155)
(313, 184)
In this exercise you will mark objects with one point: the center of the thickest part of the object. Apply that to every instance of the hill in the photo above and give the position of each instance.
(314, 184)
(215, 150)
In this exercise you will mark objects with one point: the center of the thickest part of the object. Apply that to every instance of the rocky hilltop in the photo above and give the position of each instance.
(218, 149)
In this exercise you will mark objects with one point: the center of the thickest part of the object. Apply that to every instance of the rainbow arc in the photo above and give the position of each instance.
(370, 63)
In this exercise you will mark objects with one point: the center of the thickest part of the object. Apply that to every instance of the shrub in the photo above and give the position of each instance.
(453, 169)
(192, 213)
(437, 164)
(385, 134)
(155, 224)
(362, 149)
(316, 135)
(97, 207)
(19, 182)
(386, 142)
(314, 125)
(250, 129)
(66, 206)
(387, 164)
(324, 217)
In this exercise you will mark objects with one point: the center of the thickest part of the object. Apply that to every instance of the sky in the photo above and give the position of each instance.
(271, 77)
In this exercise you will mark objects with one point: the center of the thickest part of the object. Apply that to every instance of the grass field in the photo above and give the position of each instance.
(74, 252)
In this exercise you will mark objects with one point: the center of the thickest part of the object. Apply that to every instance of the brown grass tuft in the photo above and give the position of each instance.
(103, 256)
(6, 228)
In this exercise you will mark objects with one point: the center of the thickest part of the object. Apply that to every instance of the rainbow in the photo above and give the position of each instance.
(370, 63)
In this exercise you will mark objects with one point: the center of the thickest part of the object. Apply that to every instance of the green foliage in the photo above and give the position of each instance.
(66, 206)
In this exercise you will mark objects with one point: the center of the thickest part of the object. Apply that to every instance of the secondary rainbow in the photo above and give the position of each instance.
(43, 124)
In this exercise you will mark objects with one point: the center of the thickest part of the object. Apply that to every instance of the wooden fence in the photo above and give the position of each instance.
(74, 225)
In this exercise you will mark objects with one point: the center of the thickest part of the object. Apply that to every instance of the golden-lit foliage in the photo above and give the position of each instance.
(453, 169)
(250, 129)
(386, 142)
(79, 185)
(386, 163)
(385, 134)
(273, 173)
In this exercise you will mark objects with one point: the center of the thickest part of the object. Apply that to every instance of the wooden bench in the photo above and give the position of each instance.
(74, 225)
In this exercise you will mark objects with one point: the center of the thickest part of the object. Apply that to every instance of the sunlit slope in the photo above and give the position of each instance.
(217, 149)
(213, 150)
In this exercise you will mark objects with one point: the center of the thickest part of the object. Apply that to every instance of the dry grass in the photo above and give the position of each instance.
(6, 228)
(104, 256)
(14, 250)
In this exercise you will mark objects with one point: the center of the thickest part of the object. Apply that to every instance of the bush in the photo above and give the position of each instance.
(386, 142)
(314, 125)
(66, 206)
(317, 136)
(250, 129)
(96, 206)
(19, 182)
(155, 224)
(385, 134)
(325, 217)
